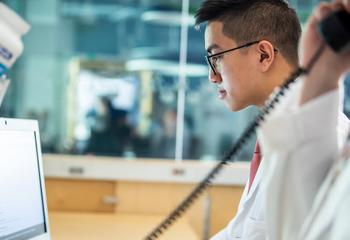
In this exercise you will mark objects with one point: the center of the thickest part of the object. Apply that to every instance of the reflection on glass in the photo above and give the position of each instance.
(103, 105)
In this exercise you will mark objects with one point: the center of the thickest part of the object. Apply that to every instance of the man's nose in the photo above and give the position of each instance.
(214, 78)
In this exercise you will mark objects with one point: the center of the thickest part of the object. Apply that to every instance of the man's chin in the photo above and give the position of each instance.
(234, 107)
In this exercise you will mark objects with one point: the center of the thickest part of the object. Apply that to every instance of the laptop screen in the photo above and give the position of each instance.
(22, 208)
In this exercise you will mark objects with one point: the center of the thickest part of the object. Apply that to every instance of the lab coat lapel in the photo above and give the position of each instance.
(256, 181)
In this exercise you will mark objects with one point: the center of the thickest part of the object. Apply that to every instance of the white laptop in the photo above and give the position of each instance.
(23, 209)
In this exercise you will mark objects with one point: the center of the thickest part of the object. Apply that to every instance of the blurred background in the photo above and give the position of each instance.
(102, 77)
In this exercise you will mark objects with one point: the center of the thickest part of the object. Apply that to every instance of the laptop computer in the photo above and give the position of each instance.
(23, 209)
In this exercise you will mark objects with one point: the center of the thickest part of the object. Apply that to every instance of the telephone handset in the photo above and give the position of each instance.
(335, 31)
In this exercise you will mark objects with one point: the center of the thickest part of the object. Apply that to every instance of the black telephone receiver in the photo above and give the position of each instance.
(335, 31)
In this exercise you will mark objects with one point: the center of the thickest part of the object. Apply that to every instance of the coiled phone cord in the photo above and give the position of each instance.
(247, 134)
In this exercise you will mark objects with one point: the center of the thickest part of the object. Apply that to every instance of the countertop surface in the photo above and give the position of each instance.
(145, 170)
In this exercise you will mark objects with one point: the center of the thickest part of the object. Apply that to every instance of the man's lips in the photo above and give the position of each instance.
(222, 93)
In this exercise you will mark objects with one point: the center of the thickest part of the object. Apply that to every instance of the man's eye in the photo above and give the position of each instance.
(217, 58)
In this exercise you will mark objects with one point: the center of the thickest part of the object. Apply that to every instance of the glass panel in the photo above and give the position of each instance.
(101, 76)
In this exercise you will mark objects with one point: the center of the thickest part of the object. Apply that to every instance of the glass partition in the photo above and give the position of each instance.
(103, 78)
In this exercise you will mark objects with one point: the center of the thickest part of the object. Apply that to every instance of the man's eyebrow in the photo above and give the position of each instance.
(211, 47)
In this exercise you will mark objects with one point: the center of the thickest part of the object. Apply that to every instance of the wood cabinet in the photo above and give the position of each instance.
(80, 195)
(210, 213)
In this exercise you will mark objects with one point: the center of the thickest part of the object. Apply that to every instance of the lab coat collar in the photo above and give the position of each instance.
(256, 182)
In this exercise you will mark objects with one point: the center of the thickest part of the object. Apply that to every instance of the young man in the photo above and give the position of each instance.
(308, 167)
(252, 47)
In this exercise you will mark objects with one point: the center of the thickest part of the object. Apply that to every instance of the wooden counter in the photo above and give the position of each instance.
(143, 187)
(97, 226)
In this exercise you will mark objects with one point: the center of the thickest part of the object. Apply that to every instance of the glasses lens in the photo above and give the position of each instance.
(211, 64)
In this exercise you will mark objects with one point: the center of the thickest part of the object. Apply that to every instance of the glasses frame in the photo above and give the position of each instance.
(208, 57)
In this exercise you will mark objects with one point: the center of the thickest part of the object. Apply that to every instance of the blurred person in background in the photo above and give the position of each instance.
(110, 132)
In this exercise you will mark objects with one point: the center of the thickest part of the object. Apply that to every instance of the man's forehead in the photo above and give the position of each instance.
(213, 28)
(214, 36)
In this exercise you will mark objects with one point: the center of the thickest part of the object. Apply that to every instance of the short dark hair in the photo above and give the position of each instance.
(251, 20)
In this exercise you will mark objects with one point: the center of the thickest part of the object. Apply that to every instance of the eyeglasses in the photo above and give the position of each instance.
(213, 59)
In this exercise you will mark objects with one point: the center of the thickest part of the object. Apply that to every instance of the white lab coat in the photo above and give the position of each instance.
(249, 222)
(300, 145)
(329, 217)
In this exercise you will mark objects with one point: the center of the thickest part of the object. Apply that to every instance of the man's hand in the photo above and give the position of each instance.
(330, 66)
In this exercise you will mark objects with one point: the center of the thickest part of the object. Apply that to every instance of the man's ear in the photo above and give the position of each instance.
(266, 55)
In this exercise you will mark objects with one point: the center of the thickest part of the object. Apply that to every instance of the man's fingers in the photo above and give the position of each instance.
(318, 14)
(345, 4)
(324, 10)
